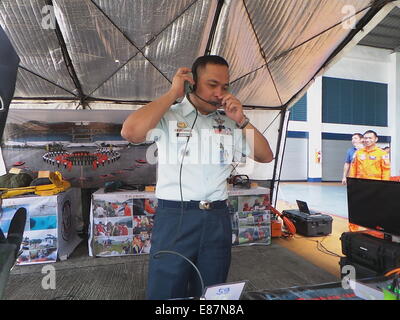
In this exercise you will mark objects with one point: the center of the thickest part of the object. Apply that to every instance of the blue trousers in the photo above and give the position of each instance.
(203, 236)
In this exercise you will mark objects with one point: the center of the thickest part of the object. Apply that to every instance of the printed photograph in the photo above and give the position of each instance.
(108, 209)
(246, 235)
(113, 227)
(112, 246)
(38, 247)
(42, 207)
(86, 147)
(142, 224)
(232, 204)
(252, 203)
(38, 240)
(43, 255)
(43, 223)
(264, 232)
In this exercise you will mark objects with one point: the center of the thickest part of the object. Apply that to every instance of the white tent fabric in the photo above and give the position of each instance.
(120, 54)
(129, 50)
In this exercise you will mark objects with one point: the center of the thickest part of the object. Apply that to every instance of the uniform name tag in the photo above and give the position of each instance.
(183, 132)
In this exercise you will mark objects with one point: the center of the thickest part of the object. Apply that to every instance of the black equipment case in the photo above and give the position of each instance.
(310, 225)
(376, 254)
(361, 272)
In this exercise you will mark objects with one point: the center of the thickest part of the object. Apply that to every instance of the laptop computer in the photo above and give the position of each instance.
(303, 207)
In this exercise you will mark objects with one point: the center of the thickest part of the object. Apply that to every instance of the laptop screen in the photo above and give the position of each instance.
(303, 207)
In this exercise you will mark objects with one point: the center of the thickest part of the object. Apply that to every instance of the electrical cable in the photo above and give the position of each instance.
(180, 174)
(182, 203)
(391, 272)
(321, 247)
(186, 259)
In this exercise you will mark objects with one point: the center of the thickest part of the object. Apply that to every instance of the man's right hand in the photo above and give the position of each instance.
(344, 181)
(178, 82)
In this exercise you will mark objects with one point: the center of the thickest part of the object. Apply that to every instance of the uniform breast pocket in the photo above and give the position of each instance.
(182, 148)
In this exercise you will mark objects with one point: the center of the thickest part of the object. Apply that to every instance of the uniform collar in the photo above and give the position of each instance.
(186, 107)
(371, 150)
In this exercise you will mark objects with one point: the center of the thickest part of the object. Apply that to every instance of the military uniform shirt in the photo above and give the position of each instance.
(214, 143)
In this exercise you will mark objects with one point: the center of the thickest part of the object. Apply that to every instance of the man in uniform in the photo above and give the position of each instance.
(370, 162)
(356, 140)
(196, 144)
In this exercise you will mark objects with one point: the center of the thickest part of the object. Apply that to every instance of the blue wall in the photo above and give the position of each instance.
(299, 111)
(354, 102)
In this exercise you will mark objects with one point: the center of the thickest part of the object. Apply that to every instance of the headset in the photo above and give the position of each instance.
(190, 88)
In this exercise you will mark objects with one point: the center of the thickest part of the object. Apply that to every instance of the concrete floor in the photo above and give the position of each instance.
(314, 263)
(327, 197)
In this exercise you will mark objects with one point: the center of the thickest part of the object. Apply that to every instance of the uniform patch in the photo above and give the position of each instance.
(372, 157)
(181, 125)
(362, 157)
(222, 130)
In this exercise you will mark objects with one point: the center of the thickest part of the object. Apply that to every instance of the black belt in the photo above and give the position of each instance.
(204, 205)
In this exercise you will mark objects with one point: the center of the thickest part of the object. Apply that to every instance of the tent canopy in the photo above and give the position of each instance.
(129, 50)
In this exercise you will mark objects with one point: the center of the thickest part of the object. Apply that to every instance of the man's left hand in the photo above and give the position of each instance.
(233, 108)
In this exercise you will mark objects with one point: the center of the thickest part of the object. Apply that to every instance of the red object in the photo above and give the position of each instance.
(19, 163)
(141, 161)
(291, 228)
(276, 229)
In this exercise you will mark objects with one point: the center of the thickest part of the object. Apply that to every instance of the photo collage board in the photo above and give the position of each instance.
(50, 229)
(122, 221)
(121, 225)
(251, 220)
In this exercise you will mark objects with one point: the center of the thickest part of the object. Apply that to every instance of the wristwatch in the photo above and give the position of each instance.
(243, 123)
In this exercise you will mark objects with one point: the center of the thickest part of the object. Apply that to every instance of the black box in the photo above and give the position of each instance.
(310, 225)
(361, 272)
(377, 254)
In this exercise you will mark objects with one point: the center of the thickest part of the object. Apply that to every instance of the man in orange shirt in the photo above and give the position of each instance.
(127, 210)
(370, 162)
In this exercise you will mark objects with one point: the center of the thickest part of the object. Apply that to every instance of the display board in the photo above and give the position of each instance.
(122, 221)
(50, 229)
(85, 146)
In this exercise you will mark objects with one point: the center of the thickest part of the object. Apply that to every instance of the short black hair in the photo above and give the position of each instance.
(357, 134)
(370, 131)
(202, 61)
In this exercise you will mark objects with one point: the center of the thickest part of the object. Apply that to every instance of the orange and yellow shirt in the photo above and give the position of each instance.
(370, 164)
